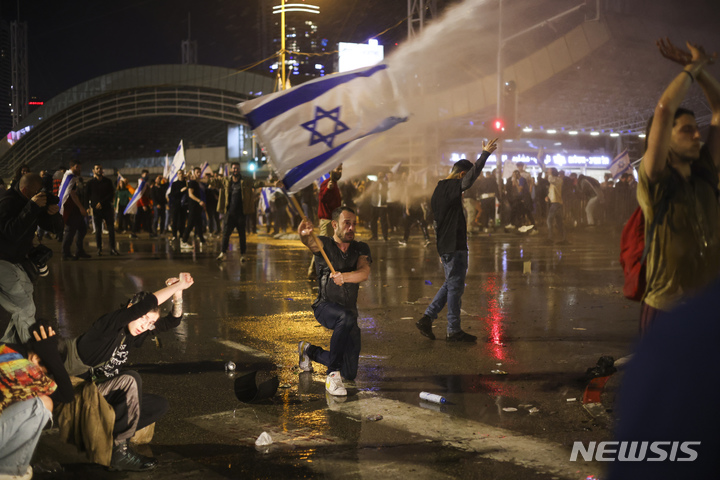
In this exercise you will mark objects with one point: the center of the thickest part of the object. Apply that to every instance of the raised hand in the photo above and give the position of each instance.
(491, 146)
(699, 55)
(673, 52)
(43, 335)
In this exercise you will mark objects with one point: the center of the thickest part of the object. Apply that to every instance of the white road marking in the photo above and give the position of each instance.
(491, 442)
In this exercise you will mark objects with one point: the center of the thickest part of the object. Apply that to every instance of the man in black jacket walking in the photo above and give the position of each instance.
(451, 231)
(100, 193)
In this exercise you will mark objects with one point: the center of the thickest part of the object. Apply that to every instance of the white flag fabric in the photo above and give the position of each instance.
(620, 164)
(266, 194)
(178, 163)
(310, 129)
(166, 170)
(396, 167)
(320, 180)
(132, 205)
(204, 168)
(66, 185)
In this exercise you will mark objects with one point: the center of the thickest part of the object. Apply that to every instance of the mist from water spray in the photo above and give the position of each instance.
(458, 48)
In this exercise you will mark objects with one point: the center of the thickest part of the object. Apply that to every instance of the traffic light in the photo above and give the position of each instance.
(498, 125)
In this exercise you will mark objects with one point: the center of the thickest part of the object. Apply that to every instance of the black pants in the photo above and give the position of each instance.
(75, 227)
(382, 214)
(234, 221)
(107, 214)
(134, 410)
(344, 351)
(416, 216)
(158, 223)
(177, 216)
(142, 218)
(195, 222)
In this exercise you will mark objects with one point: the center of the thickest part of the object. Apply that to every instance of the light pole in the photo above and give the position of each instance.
(282, 45)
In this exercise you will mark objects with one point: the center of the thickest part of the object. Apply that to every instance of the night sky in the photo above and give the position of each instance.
(75, 40)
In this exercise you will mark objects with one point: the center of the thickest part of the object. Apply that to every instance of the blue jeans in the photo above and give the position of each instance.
(344, 351)
(455, 265)
(20, 427)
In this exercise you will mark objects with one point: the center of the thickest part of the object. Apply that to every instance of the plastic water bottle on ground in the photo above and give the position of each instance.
(431, 397)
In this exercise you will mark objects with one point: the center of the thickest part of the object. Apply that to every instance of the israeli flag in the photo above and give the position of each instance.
(119, 177)
(66, 185)
(265, 195)
(132, 205)
(620, 164)
(178, 163)
(166, 169)
(310, 129)
(204, 168)
(320, 180)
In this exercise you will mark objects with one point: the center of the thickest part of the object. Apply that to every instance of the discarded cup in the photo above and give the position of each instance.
(263, 439)
(230, 367)
(374, 418)
(509, 409)
(431, 397)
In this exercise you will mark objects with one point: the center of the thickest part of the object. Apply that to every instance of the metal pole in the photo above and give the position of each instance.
(498, 152)
(282, 44)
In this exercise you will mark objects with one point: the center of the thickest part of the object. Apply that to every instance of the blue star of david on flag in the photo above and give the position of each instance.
(317, 136)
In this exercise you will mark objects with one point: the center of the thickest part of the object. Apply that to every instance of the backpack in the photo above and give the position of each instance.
(632, 256)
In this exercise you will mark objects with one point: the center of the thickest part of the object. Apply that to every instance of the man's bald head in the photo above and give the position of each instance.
(30, 180)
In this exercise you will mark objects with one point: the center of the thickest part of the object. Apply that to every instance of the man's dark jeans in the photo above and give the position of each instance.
(344, 351)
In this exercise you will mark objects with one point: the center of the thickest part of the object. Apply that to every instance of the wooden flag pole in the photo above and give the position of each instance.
(312, 234)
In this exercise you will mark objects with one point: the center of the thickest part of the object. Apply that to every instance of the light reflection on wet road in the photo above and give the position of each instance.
(527, 325)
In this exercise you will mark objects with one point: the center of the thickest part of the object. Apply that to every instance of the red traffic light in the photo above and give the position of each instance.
(498, 125)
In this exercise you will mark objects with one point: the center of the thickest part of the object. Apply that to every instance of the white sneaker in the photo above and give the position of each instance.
(221, 257)
(334, 384)
(304, 360)
(402, 243)
(185, 245)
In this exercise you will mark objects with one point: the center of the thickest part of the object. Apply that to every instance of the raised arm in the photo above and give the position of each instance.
(472, 175)
(658, 140)
(174, 286)
(305, 231)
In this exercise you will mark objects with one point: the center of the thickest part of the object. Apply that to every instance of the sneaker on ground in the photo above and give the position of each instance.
(185, 245)
(425, 327)
(303, 359)
(222, 257)
(402, 243)
(126, 459)
(461, 337)
(334, 384)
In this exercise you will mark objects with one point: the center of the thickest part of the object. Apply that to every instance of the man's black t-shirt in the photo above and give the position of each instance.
(346, 294)
(198, 191)
(100, 190)
(108, 339)
(235, 202)
(175, 192)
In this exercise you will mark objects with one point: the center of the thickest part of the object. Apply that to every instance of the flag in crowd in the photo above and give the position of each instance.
(204, 168)
(320, 180)
(66, 185)
(620, 164)
(266, 194)
(312, 128)
(166, 170)
(119, 177)
(396, 167)
(541, 157)
(177, 164)
(132, 205)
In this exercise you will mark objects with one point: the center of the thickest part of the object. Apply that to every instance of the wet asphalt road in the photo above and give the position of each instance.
(543, 314)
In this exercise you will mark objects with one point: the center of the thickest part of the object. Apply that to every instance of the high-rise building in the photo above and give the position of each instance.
(305, 46)
(6, 120)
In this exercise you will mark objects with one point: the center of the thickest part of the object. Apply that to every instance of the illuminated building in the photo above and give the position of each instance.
(303, 40)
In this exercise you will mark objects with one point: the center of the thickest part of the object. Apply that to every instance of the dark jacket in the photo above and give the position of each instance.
(19, 218)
